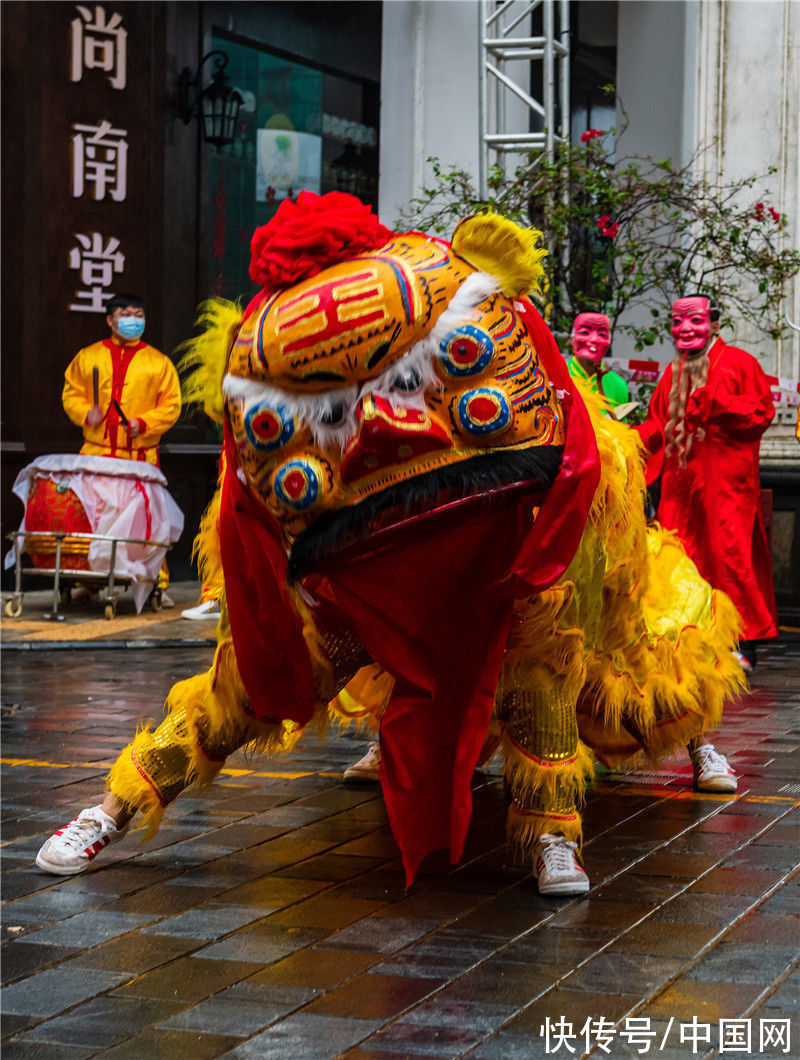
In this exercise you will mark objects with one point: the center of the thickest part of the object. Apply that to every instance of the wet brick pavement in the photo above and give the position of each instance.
(269, 919)
(84, 622)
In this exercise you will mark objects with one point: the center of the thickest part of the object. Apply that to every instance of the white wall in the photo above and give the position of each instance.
(429, 95)
(748, 106)
(651, 41)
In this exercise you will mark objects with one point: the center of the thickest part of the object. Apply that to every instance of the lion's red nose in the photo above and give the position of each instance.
(387, 437)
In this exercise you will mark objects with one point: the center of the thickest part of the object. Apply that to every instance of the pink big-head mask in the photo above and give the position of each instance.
(691, 325)
(591, 336)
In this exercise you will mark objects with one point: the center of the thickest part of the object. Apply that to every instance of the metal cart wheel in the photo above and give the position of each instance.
(13, 608)
(111, 610)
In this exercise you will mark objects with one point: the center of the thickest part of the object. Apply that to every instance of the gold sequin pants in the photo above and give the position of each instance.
(208, 718)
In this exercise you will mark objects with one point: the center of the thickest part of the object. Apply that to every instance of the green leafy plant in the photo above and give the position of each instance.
(632, 233)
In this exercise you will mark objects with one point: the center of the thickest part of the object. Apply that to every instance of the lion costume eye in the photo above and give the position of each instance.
(407, 381)
(273, 416)
(268, 427)
(465, 351)
(485, 411)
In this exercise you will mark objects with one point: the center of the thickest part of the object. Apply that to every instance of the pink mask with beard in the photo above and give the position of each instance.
(591, 336)
(691, 325)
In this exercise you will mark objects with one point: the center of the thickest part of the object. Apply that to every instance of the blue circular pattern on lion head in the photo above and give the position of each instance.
(268, 427)
(466, 350)
(297, 484)
(484, 411)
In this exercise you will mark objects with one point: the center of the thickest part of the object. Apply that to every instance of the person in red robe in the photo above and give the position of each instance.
(703, 431)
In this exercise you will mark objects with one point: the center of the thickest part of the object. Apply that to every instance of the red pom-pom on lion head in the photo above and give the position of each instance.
(307, 235)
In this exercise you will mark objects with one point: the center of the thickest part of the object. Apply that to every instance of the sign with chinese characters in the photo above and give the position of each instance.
(99, 151)
(83, 208)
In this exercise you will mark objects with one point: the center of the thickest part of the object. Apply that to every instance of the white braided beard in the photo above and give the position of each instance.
(688, 373)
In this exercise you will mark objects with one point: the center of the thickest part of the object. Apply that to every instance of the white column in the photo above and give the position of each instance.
(747, 109)
(429, 96)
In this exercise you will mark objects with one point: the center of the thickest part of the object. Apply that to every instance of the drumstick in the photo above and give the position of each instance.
(122, 416)
(96, 387)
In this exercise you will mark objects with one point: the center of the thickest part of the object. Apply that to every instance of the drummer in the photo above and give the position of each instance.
(122, 392)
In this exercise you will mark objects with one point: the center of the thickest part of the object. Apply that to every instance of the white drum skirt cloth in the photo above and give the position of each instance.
(121, 499)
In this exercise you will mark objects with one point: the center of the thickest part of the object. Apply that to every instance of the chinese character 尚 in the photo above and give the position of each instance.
(695, 1033)
(97, 262)
(98, 44)
(556, 1033)
(637, 1031)
(734, 1036)
(774, 1032)
(107, 173)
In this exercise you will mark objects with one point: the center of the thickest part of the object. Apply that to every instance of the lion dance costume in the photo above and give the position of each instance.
(412, 481)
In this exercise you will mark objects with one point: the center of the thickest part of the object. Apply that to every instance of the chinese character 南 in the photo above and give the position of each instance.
(100, 157)
(98, 44)
(97, 261)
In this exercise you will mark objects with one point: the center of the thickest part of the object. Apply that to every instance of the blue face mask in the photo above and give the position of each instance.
(130, 327)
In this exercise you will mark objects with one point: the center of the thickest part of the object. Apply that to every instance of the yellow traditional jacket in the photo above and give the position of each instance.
(145, 386)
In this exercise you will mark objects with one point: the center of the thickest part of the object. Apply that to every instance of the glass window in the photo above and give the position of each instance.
(299, 128)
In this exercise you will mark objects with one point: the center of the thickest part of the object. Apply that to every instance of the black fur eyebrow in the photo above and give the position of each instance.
(324, 377)
(383, 349)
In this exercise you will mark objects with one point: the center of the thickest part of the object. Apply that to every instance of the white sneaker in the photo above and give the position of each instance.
(744, 662)
(557, 869)
(73, 848)
(166, 600)
(367, 769)
(711, 771)
(208, 609)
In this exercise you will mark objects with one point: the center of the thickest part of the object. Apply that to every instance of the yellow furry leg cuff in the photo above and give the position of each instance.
(524, 827)
(546, 778)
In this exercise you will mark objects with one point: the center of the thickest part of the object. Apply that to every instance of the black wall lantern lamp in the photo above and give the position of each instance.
(217, 104)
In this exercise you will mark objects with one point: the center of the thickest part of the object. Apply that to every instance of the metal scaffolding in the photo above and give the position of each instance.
(524, 88)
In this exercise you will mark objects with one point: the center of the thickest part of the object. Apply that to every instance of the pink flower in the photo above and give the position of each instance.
(758, 212)
(590, 134)
(611, 231)
(603, 221)
(775, 214)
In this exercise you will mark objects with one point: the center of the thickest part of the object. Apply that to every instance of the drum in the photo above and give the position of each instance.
(52, 506)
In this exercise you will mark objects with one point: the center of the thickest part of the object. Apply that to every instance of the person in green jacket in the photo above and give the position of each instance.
(590, 339)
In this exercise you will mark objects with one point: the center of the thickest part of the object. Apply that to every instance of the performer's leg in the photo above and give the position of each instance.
(206, 721)
(546, 769)
(363, 700)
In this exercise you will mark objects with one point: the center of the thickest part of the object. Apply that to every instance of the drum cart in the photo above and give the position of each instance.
(65, 579)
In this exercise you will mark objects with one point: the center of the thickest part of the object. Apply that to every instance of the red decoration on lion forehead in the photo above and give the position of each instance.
(307, 235)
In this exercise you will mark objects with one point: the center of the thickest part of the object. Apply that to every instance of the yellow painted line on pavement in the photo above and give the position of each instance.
(231, 771)
(36, 763)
